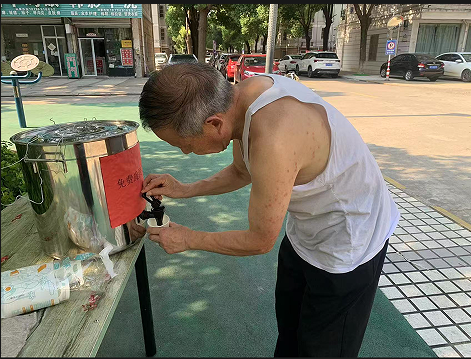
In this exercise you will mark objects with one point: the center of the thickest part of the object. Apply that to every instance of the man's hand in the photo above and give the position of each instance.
(136, 231)
(157, 185)
(172, 239)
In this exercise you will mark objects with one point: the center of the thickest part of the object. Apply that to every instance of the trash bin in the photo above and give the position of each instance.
(62, 168)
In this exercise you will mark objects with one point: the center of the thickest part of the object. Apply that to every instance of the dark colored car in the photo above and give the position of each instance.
(228, 66)
(181, 58)
(413, 65)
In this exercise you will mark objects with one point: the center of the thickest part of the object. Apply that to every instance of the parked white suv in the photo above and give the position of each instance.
(288, 62)
(457, 65)
(316, 63)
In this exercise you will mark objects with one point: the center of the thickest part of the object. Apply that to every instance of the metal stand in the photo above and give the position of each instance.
(16, 80)
(145, 303)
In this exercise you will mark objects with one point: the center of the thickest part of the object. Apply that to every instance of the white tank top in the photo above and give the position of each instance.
(342, 218)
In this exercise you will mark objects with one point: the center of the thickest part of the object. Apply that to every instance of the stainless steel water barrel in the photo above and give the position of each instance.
(62, 173)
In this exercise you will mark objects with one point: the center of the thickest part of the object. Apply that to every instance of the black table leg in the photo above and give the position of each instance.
(145, 304)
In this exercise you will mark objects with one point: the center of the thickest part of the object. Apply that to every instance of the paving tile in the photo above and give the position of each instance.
(448, 287)
(443, 252)
(461, 298)
(410, 216)
(390, 268)
(450, 234)
(451, 273)
(399, 231)
(439, 227)
(417, 222)
(410, 255)
(405, 266)
(425, 208)
(423, 216)
(442, 301)
(464, 233)
(455, 262)
(459, 251)
(464, 349)
(467, 259)
(431, 221)
(466, 271)
(422, 265)
(461, 241)
(438, 263)
(444, 220)
(417, 245)
(453, 334)
(394, 239)
(423, 303)
(436, 215)
(398, 278)
(437, 318)
(434, 275)
(446, 352)
(416, 277)
(429, 288)
(466, 328)
(432, 244)
(395, 257)
(406, 237)
(421, 236)
(427, 254)
(431, 336)
(468, 310)
(412, 230)
(417, 320)
(389, 249)
(400, 247)
(464, 284)
(384, 281)
(410, 290)
(454, 226)
(403, 305)
(426, 229)
(435, 235)
(447, 243)
(458, 315)
(391, 292)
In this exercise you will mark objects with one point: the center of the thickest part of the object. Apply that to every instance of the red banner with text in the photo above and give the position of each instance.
(123, 177)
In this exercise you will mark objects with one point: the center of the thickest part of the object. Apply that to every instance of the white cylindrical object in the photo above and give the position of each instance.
(152, 222)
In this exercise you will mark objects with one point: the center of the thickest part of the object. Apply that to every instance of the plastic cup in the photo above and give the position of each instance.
(152, 222)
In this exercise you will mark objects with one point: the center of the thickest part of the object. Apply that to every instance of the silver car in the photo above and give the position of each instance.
(288, 62)
(181, 58)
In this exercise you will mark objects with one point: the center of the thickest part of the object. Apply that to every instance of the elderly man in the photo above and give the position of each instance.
(302, 157)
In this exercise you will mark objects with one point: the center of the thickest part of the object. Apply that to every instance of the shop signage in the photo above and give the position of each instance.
(126, 43)
(72, 66)
(72, 10)
(126, 57)
(21, 35)
(51, 46)
(91, 34)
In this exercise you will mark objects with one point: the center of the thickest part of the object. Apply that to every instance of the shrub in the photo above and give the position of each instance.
(13, 183)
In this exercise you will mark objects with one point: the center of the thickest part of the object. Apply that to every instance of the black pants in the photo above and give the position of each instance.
(321, 314)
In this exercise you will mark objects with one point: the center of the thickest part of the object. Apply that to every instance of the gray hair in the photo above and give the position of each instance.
(183, 96)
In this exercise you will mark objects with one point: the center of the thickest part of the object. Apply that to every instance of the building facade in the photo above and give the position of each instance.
(81, 40)
(427, 28)
(162, 43)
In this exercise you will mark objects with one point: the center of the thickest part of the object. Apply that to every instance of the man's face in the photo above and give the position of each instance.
(211, 141)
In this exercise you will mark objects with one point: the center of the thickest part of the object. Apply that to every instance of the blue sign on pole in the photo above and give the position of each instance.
(391, 47)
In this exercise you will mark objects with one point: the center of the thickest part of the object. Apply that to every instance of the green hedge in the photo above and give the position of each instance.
(13, 183)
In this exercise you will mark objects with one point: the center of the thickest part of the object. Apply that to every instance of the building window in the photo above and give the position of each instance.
(373, 50)
(161, 11)
(162, 34)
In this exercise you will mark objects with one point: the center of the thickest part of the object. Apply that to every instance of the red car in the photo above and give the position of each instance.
(249, 65)
(228, 66)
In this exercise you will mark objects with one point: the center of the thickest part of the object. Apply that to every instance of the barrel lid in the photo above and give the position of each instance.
(74, 132)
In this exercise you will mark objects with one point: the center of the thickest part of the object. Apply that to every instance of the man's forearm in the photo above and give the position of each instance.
(234, 243)
(227, 180)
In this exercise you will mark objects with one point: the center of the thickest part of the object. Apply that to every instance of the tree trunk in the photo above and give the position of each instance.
(248, 46)
(327, 10)
(308, 41)
(188, 37)
(363, 38)
(202, 31)
(265, 40)
(193, 24)
(256, 43)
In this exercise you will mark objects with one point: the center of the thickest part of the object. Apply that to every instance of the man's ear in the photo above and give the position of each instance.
(215, 122)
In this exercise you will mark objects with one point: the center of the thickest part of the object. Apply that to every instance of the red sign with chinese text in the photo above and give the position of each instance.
(123, 177)
(126, 57)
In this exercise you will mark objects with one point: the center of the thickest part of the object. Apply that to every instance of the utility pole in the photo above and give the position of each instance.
(272, 16)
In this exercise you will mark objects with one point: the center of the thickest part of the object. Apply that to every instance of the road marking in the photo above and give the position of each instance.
(452, 217)
(357, 93)
(393, 182)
